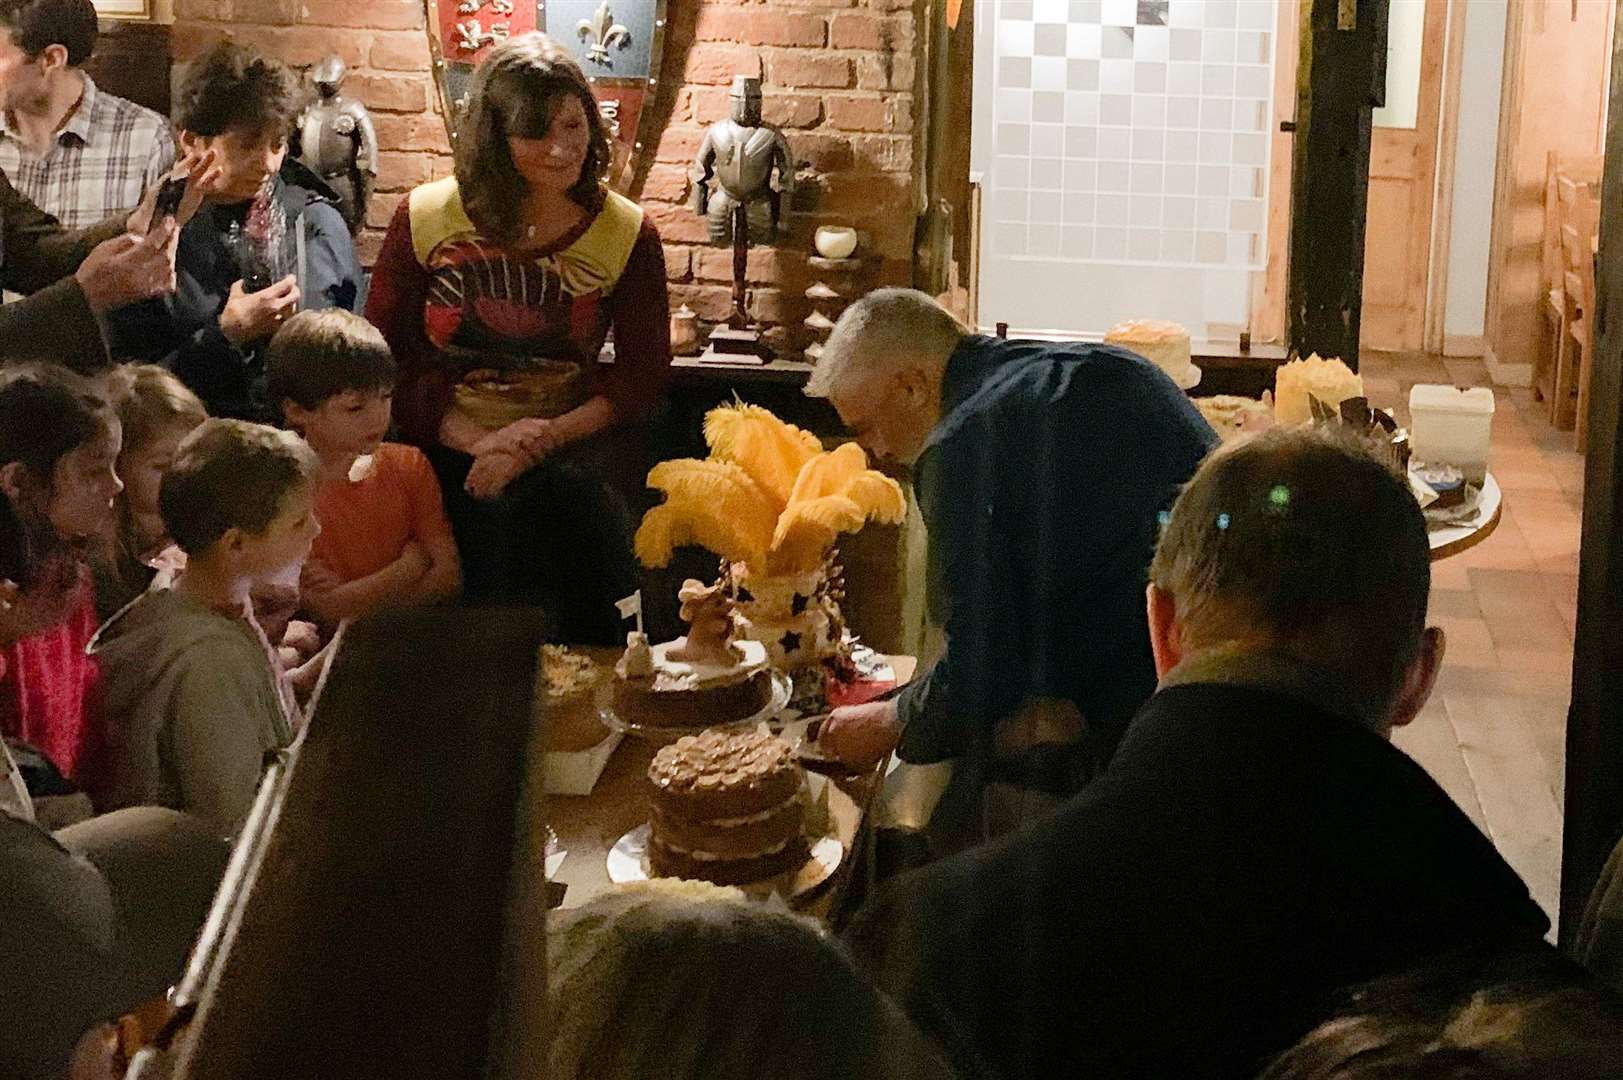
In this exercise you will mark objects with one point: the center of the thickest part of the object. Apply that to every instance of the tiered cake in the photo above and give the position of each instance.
(789, 614)
(726, 808)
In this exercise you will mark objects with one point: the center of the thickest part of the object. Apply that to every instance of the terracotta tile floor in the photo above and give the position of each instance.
(1494, 732)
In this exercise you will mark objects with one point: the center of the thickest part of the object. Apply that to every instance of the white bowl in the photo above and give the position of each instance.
(835, 241)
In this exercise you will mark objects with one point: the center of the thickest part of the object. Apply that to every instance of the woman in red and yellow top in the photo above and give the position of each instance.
(496, 289)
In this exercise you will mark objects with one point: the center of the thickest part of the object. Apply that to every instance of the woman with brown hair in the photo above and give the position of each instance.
(496, 289)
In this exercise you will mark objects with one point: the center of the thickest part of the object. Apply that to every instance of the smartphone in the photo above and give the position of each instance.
(167, 205)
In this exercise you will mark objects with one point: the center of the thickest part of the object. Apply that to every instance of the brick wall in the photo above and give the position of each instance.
(839, 78)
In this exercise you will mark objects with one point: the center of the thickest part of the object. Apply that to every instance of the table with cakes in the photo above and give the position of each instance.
(697, 757)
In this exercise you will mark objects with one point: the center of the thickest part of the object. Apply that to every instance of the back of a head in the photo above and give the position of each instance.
(230, 474)
(882, 333)
(1519, 1017)
(1303, 540)
(317, 355)
(235, 87)
(35, 25)
(684, 980)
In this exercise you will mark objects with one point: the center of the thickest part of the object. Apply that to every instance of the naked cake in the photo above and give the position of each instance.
(726, 808)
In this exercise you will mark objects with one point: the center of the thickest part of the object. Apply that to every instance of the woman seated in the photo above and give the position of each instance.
(269, 241)
(496, 289)
(683, 979)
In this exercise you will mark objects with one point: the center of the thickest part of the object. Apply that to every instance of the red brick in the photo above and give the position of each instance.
(401, 171)
(678, 263)
(826, 4)
(395, 93)
(882, 153)
(679, 144)
(886, 71)
(858, 113)
(707, 104)
(367, 246)
(712, 303)
(792, 110)
(775, 306)
(666, 183)
(373, 14)
(823, 151)
(717, 62)
(677, 224)
(858, 30)
(872, 193)
(215, 10)
(401, 50)
(304, 46)
(190, 40)
(814, 69)
(889, 5)
(380, 209)
(766, 264)
(419, 131)
(755, 26)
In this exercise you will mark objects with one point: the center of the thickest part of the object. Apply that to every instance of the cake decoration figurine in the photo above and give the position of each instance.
(709, 615)
(638, 660)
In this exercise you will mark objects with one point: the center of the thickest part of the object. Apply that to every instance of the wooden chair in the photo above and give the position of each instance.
(1571, 196)
(1578, 242)
(1580, 170)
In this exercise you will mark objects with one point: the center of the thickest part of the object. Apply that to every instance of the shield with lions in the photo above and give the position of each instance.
(618, 44)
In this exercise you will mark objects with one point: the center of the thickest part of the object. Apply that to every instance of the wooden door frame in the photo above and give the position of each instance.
(1269, 292)
(1504, 180)
(1434, 336)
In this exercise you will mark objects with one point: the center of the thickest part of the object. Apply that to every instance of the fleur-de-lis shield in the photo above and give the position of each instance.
(618, 44)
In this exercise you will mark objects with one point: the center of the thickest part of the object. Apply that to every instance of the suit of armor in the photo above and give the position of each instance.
(336, 140)
(742, 164)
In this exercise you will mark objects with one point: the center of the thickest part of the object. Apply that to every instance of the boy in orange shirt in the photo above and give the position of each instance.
(385, 539)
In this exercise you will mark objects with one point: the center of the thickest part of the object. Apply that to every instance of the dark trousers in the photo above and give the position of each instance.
(558, 538)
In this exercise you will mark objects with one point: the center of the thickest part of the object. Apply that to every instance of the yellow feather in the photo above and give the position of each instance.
(715, 504)
(828, 473)
(804, 544)
(770, 450)
(879, 496)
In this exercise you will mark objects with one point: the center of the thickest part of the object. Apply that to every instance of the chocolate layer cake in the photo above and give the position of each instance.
(695, 695)
(726, 808)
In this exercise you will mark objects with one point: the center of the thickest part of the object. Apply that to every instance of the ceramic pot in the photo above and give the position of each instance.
(684, 332)
(835, 241)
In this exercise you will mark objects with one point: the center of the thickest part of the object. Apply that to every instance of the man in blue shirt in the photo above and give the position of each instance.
(1041, 469)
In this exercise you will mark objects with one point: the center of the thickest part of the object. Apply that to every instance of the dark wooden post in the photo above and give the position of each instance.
(1594, 788)
(1342, 76)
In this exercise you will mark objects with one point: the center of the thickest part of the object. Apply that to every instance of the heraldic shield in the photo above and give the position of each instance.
(618, 44)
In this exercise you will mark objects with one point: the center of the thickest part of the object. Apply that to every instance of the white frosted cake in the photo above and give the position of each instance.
(788, 615)
(1164, 344)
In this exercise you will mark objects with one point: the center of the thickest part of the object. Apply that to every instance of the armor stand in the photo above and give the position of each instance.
(739, 341)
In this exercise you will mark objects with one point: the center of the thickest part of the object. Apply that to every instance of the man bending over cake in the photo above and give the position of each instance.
(1041, 469)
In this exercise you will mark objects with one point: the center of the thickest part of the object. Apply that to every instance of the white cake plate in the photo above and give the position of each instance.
(628, 862)
(782, 688)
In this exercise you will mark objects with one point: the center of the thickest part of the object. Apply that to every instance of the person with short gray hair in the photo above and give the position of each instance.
(1257, 842)
(1040, 468)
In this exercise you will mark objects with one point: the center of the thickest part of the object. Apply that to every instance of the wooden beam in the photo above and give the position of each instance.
(1340, 78)
(1594, 787)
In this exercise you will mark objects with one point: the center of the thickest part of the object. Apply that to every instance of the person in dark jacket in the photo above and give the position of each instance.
(1040, 469)
(1257, 842)
(269, 242)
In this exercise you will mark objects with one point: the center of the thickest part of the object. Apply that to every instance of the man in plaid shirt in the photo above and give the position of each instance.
(77, 152)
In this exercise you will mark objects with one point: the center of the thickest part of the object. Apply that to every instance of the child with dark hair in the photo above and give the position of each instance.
(385, 539)
(58, 443)
(189, 672)
(269, 240)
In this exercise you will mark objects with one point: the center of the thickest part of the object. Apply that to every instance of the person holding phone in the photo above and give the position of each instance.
(269, 240)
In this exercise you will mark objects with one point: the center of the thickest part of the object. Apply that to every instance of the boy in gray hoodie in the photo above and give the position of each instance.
(196, 690)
